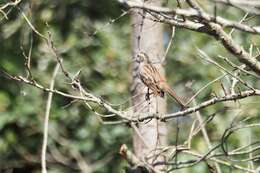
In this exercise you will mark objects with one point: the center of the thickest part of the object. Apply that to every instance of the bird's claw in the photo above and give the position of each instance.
(147, 96)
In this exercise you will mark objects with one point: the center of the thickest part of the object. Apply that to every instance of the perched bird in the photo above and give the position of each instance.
(154, 80)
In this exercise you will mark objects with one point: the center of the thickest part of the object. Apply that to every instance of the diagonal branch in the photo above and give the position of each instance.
(204, 23)
(210, 102)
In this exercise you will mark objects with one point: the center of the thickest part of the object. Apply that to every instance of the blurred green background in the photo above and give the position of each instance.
(104, 59)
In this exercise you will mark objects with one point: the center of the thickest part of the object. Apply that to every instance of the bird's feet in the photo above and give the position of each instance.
(184, 107)
(147, 96)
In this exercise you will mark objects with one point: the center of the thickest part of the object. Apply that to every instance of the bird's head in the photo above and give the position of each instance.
(142, 58)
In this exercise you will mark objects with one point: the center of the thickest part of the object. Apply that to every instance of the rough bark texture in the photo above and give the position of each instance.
(147, 37)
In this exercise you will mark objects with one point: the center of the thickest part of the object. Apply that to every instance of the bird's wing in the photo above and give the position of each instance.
(147, 72)
(149, 77)
(155, 73)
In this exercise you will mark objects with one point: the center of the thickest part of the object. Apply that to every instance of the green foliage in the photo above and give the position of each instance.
(73, 128)
(104, 61)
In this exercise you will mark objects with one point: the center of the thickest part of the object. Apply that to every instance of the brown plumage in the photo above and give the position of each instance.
(154, 80)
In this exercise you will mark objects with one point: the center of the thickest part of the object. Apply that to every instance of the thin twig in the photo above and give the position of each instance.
(205, 86)
(169, 44)
(205, 135)
(207, 58)
(46, 121)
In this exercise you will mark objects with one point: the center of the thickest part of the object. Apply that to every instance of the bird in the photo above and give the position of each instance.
(154, 80)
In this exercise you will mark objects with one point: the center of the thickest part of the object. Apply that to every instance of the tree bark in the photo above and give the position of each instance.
(147, 37)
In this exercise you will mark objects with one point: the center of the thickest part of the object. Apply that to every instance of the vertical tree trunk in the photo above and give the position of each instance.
(147, 37)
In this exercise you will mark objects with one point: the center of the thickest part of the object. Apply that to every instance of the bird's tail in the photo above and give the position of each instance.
(175, 96)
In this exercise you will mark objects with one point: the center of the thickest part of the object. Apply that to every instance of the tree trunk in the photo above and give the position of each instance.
(147, 37)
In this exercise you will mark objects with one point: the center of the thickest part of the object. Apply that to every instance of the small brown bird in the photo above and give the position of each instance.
(154, 80)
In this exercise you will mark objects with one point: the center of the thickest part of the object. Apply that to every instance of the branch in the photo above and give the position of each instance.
(201, 21)
(46, 121)
(12, 4)
(234, 48)
(134, 161)
(75, 84)
(230, 97)
(129, 156)
(128, 116)
(194, 14)
(252, 6)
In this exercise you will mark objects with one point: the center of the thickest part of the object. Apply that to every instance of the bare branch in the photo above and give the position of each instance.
(209, 24)
(193, 14)
(46, 121)
(252, 6)
(230, 97)
(9, 4)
